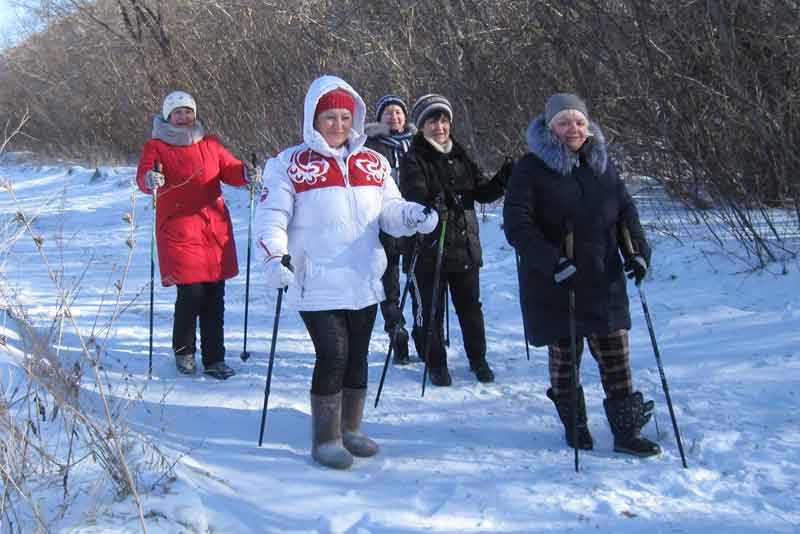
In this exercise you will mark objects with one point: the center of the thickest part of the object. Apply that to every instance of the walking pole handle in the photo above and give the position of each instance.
(254, 162)
(286, 261)
(157, 167)
(569, 242)
(627, 242)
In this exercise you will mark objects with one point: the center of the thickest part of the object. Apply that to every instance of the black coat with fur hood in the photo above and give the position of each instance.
(426, 172)
(550, 188)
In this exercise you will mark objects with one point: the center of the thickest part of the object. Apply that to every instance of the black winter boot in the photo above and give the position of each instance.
(563, 404)
(440, 376)
(219, 370)
(482, 371)
(627, 417)
(418, 335)
(401, 347)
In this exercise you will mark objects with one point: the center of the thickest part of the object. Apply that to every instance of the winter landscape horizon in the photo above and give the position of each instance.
(471, 458)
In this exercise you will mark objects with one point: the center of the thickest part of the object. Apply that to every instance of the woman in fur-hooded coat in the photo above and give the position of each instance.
(567, 184)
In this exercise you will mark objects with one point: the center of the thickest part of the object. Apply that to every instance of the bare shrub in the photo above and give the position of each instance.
(701, 96)
(46, 431)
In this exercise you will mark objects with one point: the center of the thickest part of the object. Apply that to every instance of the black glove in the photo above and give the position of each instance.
(636, 267)
(564, 275)
(505, 171)
(392, 317)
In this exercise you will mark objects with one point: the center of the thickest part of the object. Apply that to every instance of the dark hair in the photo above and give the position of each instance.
(435, 115)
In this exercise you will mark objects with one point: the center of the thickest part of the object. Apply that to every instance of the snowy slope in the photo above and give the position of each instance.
(469, 458)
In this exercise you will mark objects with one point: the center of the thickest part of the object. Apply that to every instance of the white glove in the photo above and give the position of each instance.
(153, 179)
(278, 275)
(416, 218)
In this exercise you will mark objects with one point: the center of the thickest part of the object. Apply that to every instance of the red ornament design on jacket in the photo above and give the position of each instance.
(372, 170)
(311, 170)
(307, 167)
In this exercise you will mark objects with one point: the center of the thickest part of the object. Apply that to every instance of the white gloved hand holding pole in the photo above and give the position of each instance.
(418, 217)
(153, 179)
(279, 273)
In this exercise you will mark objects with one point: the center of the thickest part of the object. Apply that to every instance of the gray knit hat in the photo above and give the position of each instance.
(563, 101)
(427, 104)
(387, 100)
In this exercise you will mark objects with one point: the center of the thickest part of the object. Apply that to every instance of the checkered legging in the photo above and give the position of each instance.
(612, 354)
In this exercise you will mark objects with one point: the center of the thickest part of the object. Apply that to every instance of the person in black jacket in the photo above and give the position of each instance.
(436, 165)
(568, 184)
(391, 136)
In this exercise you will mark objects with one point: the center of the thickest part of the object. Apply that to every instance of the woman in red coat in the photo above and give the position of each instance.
(196, 251)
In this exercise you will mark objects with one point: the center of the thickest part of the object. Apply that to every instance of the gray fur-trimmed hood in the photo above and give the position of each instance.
(379, 129)
(544, 144)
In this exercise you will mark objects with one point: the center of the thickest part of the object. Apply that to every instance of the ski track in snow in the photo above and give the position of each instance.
(469, 458)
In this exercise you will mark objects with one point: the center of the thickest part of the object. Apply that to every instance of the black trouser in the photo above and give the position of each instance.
(390, 308)
(465, 293)
(205, 300)
(341, 342)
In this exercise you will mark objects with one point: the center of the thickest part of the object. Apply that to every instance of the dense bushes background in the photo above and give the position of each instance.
(703, 96)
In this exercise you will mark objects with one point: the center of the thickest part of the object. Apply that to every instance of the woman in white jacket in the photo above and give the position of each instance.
(324, 203)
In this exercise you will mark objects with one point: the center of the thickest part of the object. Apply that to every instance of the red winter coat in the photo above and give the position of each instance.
(193, 226)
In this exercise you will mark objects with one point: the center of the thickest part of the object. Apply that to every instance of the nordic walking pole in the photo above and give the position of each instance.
(286, 262)
(631, 251)
(524, 326)
(447, 314)
(156, 168)
(397, 327)
(246, 355)
(437, 275)
(569, 249)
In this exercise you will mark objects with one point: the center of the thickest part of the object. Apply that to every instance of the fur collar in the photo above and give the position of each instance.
(380, 129)
(177, 135)
(424, 148)
(543, 143)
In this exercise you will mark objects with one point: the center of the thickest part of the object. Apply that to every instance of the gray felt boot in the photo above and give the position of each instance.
(352, 411)
(326, 432)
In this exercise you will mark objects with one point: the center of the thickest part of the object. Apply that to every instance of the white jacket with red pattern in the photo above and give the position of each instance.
(326, 210)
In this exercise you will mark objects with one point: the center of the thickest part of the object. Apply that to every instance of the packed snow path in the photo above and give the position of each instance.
(468, 458)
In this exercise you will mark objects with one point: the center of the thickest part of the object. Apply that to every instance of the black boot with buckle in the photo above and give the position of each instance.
(627, 416)
(563, 404)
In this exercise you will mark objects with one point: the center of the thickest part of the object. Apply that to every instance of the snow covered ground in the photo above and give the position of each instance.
(469, 458)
